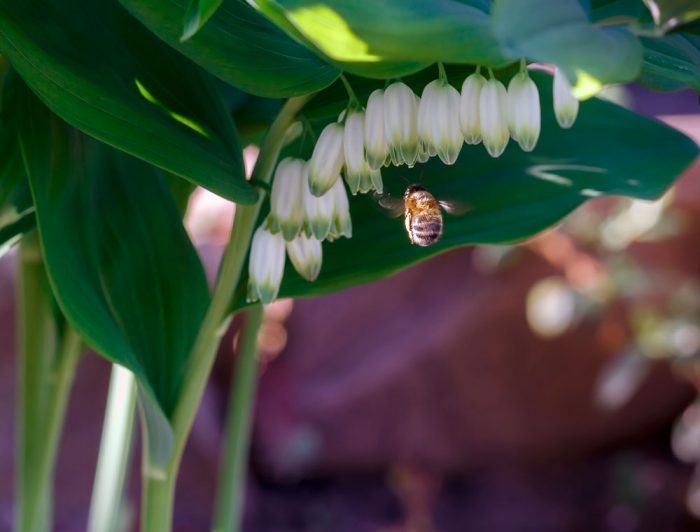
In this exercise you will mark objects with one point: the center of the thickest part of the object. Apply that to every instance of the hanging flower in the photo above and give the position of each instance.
(565, 103)
(286, 198)
(469, 108)
(524, 110)
(327, 159)
(400, 123)
(376, 148)
(341, 223)
(493, 106)
(265, 266)
(438, 121)
(306, 256)
(318, 211)
(359, 176)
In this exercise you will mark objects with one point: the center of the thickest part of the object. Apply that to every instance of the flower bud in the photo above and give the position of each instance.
(341, 223)
(493, 106)
(318, 212)
(524, 111)
(438, 121)
(306, 256)
(265, 266)
(469, 108)
(375, 137)
(286, 198)
(327, 159)
(400, 123)
(565, 103)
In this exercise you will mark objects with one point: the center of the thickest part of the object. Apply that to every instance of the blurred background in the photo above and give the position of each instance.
(549, 386)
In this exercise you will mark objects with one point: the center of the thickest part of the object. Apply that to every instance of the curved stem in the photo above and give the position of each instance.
(115, 446)
(159, 492)
(228, 510)
(441, 72)
(354, 101)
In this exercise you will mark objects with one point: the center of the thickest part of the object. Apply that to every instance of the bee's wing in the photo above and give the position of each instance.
(393, 206)
(455, 208)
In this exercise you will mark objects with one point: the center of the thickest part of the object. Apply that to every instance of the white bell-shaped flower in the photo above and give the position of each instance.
(354, 146)
(286, 198)
(524, 111)
(493, 119)
(341, 223)
(370, 180)
(376, 148)
(327, 159)
(400, 123)
(438, 121)
(565, 103)
(469, 108)
(306, 256)
(318, 211)
(265, 266)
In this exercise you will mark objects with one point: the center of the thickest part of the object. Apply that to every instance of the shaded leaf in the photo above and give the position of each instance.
(12, 232)
(562, 34)
(671, 62)
(123, 270)
(239, 46)
(608, 151)
(137, 95)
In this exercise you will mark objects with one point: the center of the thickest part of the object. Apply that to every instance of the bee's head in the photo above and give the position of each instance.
(413, 188)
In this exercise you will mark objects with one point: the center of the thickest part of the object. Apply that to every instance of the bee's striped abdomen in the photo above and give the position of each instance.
(426, 230)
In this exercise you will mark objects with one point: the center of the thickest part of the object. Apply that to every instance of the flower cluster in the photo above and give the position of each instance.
(308, 202)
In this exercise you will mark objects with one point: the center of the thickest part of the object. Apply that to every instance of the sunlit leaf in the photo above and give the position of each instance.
(239, 46)
(511, 198)
(393, 37)
(102, 72)
(123, 270)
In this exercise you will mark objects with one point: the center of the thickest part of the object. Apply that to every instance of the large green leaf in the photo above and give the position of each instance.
(671, 62)
(239, 46)
(671, 13)
(392, 37)
(102, 72)
(609, 151)
(560, 33)
(121, 265)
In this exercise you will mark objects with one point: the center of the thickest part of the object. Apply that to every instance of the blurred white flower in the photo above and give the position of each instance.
(358, 173)
(524, 110)
(565, 103)
(469, 108)
(400, 123)
(286, 198)
(318, 210)
(375, 137)
(265, 266)
(341, 223)
(327, 159)
(438, 121)
(493, 109)
(305, 253)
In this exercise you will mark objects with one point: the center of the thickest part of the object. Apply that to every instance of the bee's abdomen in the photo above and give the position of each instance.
(426, 230)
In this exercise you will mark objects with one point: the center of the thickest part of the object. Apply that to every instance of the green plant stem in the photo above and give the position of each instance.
(228, 509)
(115, 448)
(158, 493)
(441, 72)
(45, 380)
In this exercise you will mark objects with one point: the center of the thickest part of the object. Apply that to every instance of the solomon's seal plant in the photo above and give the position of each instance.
(107, 128)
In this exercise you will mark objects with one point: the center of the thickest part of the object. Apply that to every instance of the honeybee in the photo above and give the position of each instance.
(422, 214)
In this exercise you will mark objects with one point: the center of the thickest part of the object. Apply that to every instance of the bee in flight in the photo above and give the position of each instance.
(422, 214)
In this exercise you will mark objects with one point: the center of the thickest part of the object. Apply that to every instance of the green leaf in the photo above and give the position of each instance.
(198, 13)
(122, 268)
(561, 33)
(390, 38)
(608, 151)
(11, 233)
(671, 62)
(239, 46)
(618, 10)
(671, 13)
(102, 72)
